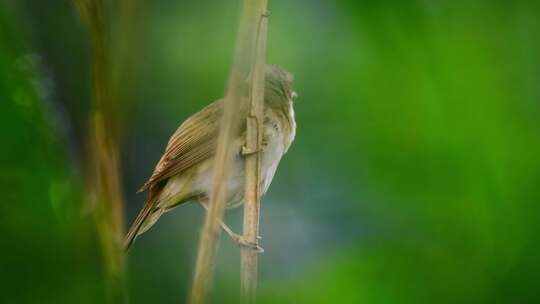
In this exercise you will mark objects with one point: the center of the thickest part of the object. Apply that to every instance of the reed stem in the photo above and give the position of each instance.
(237, 102)
(254, 123)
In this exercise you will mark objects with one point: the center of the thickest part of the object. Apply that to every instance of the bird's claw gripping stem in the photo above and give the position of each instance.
(246, 151)
(245, 243)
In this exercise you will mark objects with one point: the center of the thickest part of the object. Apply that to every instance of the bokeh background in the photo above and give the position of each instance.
(414, 177)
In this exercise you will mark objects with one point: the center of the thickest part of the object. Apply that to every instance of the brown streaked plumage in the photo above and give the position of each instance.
(185, 173)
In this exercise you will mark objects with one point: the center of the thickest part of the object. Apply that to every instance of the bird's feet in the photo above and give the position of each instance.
(236, 237)
(243, 242)
(247, 151)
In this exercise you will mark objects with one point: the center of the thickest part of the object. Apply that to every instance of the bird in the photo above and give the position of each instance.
(185, 171)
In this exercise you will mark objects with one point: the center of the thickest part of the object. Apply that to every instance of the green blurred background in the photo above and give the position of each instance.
(414, 177)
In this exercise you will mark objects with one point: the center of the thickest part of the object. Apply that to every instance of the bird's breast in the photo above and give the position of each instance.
(278, 134)
(279, 131)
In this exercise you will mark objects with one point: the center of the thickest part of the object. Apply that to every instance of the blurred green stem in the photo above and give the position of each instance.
(104, 183)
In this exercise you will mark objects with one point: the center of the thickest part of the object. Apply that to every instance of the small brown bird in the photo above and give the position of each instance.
(184, 172)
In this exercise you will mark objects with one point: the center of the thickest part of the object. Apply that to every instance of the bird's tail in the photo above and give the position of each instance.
(151, 212)
(146, 218)
(136, 226)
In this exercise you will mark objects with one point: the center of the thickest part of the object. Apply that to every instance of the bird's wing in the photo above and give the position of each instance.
(193, 142)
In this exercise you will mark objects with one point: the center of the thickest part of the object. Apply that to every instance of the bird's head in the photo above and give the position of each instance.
(278, 85)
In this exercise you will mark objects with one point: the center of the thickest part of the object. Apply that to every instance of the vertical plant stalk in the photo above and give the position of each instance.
(209, 239)
(254, 134)
(235, 110)
(104, 183)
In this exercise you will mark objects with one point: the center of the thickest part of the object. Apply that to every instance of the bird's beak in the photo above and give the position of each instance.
(294, 95)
